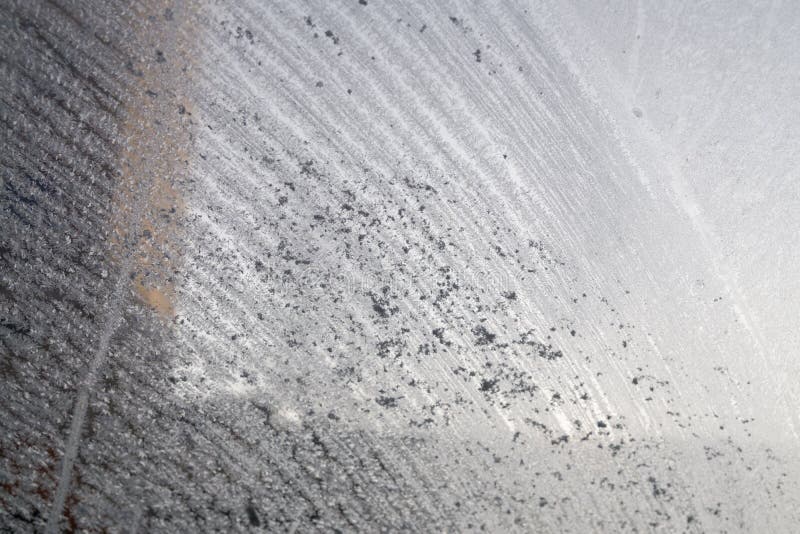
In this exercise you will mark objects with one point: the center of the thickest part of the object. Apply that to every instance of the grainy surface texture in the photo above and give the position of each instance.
(399, 266)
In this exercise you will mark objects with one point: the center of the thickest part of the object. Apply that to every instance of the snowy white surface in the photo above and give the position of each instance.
(370, 266)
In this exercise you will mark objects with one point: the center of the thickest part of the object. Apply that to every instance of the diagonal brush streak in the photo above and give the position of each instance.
(132, 205)
(82, 403)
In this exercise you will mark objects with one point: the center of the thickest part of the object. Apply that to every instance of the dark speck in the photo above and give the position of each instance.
(488, 386)
(331, 36)
(387, 402)
(484, 336)
(252, 516)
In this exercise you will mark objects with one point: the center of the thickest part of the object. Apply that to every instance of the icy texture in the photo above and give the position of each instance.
(443, 266)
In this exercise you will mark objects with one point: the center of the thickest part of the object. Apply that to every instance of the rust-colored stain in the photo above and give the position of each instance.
(153, 156)
(158, 298)
(148, 203)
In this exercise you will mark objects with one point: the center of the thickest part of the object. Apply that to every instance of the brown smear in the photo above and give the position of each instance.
(157, 133)
(157, 41)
